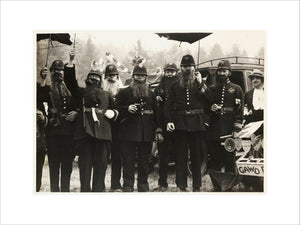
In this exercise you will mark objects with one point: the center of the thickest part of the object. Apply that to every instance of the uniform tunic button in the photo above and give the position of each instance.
(64, 107)
(187, 103)
(222, 113)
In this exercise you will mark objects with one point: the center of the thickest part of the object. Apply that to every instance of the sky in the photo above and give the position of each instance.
(249, 40)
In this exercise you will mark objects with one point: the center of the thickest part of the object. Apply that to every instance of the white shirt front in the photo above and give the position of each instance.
(258, 99)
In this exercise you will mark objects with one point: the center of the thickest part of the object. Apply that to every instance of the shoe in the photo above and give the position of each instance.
(160, 189)
(196, 190)
(116, 190)
(127, 189)
(182, 189)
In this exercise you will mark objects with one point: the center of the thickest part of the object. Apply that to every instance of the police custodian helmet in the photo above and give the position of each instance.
(170, 66)
(140, 70)
(57, 64)
(111, 69)
(224, 64)
(187, 60)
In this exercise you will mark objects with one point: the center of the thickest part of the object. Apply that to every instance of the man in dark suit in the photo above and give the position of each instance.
(226, 119)
(138, 126)
(93, 132)
(62, 117)
(184, 111)
(166, 149)
(112, 83)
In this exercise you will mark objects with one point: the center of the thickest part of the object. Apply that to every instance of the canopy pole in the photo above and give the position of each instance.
(48, 50)
(198, 53)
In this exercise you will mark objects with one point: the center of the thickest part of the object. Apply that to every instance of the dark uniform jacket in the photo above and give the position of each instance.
(67, 105)
(186, 107)
(138, 127)
(230, 116)
(163, 92)
(86, 126)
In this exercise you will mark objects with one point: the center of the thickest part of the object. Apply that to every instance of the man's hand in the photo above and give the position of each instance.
(109, 113)
(159, 138)
(159, 99)
(214, 107)
(132, 109)
(170, 127)
(72, 54)
(72, 116)
(40, 116)
(198, 77)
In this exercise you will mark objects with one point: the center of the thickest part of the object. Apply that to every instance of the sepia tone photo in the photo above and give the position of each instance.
(150, 111)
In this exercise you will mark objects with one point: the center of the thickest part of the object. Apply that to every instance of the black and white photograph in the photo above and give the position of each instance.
(146, 111)
(149, 112)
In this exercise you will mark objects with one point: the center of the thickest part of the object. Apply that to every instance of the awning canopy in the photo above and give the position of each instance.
(184, 37)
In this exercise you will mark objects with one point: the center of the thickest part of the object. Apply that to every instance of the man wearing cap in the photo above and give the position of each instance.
(184, 111)
(93, 132)
(226, 119)
(112, 83)
(138, 128)
(167, 147)
(62, 113)
(42, 103)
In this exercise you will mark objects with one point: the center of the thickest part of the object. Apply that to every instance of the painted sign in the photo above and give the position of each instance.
(250, 169)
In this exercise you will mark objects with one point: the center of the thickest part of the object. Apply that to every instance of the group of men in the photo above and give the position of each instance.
(184, 115)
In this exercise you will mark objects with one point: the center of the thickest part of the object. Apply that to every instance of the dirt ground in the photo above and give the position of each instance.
(153, 179)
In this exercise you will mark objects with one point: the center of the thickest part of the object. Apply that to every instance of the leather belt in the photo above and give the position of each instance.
(147, 112)
(227, 109)
(97, 110)
(190, 112)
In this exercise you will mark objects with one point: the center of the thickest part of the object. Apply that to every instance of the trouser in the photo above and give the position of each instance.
(115, 164)
(40, 159)
(129, 151)
(60, 157)
(220, 158)
(165, 151)
(92, 154)
(195, 142)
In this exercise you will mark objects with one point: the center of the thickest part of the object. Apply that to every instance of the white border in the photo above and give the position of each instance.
(281, 203)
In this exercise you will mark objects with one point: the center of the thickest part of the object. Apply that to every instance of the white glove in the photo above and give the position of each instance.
(109, 113)
(170, 127)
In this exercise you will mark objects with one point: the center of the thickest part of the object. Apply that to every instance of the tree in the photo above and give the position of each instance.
(235, 50)
(261, 53)
(216, 52)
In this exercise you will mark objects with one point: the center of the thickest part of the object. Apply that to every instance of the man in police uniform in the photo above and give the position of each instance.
(112, 84)
(138, 125)
(167, 147)
(184, 113)
(226, 119)
(62, 115)
(93, 132)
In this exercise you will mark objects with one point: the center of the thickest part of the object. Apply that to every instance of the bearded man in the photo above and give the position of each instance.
(166, 149)
(185, 116)
(226, 118)
(138, 126)
(62, 115)
(112, 83)
(93, 132)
